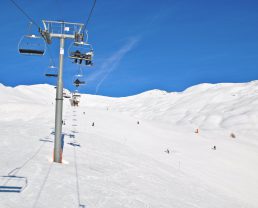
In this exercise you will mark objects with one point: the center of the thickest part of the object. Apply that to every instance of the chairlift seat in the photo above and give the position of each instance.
(51, 75)
(31, 52)
(76, 95)
(86, 57)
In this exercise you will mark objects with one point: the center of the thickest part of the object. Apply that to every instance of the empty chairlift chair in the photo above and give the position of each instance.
(51, 71)
(32, 45)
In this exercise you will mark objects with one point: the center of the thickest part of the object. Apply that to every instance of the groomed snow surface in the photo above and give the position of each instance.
(118, 163)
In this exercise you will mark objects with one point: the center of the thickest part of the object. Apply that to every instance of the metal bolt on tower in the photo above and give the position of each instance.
(61, 30)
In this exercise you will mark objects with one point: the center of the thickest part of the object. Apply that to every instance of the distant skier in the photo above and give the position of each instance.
(167, 151)
(233, 135)
(84, 113)
(138, 122)
(71, 136)
(214, 147)
(93, 124)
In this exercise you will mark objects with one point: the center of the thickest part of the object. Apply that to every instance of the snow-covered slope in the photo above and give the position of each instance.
(119, 163)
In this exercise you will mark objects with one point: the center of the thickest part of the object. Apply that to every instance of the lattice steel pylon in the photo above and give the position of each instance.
(61, 30)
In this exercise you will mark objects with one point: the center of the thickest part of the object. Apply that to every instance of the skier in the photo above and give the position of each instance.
(93, 124)
(214, 147)
(167, 151)
(77, 55)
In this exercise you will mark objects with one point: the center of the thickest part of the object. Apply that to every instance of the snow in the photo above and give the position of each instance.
(118, 163)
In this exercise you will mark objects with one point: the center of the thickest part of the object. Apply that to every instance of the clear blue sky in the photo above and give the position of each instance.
(141, 45)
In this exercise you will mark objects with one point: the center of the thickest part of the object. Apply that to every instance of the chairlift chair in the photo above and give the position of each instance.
(75, 99)
(65, 95)
(51, 71)
(32, 45)
(81, 51)
(78, 80)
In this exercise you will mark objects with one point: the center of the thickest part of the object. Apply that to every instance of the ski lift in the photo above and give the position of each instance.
(81, 51)
(78, 80)
(32, 44)
(51, 71)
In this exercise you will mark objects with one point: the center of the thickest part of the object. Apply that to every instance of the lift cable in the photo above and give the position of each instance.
(90, 14)
(24, 13)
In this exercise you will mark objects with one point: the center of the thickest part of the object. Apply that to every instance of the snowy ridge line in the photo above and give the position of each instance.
(206, 106)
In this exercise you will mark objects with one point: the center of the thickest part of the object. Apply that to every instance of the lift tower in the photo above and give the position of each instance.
(61, 30)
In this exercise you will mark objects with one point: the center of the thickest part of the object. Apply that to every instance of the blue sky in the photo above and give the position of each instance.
(141, 45)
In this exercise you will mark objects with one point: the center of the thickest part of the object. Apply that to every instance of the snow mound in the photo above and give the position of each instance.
(143, 151)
